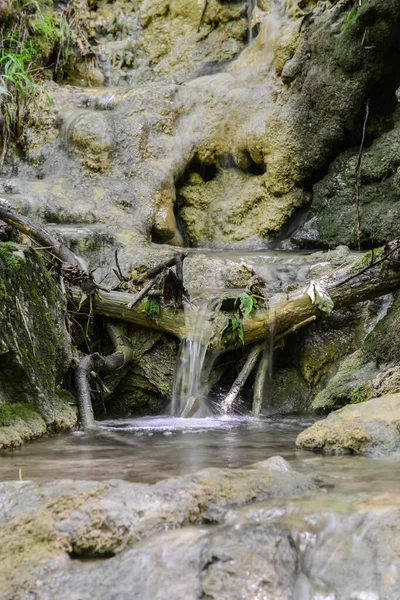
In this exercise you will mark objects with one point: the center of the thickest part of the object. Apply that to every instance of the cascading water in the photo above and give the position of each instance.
(193, 366)
(251, 4)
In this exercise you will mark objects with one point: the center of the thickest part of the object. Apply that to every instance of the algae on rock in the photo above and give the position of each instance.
(34, 347)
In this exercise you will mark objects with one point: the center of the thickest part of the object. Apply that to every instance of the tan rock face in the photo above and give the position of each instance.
(262, 123)
(369, 427)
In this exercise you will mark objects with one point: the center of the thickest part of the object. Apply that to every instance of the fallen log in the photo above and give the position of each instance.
(115, 304)
(289, 309)
(243, 376)
(262, 370)
(40, 235)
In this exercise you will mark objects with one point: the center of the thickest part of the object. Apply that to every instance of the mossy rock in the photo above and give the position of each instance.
(367, 428)
(382, 344)
(333, 206)
(146, 388)
(345, 387)
(19, 423)
(34, 342)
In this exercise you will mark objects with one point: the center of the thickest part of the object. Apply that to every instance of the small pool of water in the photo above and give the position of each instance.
(153, 448)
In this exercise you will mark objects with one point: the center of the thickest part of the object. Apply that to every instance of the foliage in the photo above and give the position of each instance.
(19, 90)
(31, 32)
(152, 307)
(233, 332)
(246, 306)
(320, 297)
(351, 17)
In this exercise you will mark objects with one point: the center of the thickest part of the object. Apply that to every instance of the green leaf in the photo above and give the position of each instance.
(233, 332)
(246, 304)
(152, 307)
(82, 300)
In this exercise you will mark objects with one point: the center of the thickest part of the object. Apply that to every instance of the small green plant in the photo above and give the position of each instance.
(356, 395)
(246, 305)
(351, 17)
(233, 332)
(152, 307)
(19, 89)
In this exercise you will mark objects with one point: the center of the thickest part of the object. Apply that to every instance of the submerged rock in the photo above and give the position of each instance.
(369, 427)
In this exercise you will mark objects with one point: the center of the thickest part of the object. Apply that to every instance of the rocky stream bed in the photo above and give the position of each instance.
(256, 144)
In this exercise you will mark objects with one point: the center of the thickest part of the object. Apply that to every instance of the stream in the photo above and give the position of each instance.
(149, 449)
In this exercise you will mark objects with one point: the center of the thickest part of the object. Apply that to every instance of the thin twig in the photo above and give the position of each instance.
(358, 176)
(203, 14)
(146, 288)
(121, 277)
(371, 264)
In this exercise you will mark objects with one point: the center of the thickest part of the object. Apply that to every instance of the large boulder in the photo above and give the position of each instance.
(373, 369)
(34, 348)
(365, 428)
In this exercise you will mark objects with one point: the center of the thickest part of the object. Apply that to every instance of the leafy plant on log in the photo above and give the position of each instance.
(245, 306)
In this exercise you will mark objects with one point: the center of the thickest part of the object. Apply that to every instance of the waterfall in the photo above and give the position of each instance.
(251, 4)
(193, 365)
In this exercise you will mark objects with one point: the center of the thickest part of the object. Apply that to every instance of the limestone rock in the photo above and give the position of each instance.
(332, 219)
(125, 524)
(234, 146)
(369, 427)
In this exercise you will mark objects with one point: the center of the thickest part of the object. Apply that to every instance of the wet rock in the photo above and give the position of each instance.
(257, 137)
(88, 135)
(370, 371)
(50, 522)
(369, 427)
(342, 542)
(289, 393)
(301, 545)
(85, 73)
(146, 387)
(334, 196)
(250, 560)
(212, 215)
(34, 348)
(346, 385)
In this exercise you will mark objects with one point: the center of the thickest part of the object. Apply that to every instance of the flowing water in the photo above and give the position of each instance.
(189, 396)
(153, 448)
(194, 362)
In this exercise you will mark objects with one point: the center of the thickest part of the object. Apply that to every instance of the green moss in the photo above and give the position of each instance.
(355, 395)
(10, 255)
(10, 412)
(138, 402)
(366, 259)
(31, 327)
